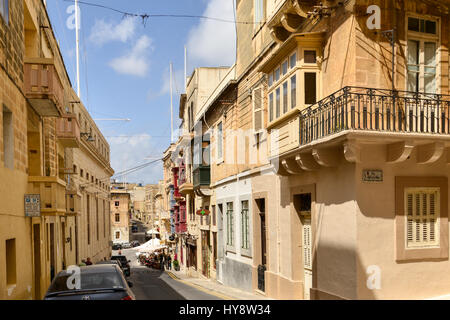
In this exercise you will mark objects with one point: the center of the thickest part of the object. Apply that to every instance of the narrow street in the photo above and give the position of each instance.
(151, 284)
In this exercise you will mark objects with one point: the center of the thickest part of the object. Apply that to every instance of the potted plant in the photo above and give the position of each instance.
(176, 265)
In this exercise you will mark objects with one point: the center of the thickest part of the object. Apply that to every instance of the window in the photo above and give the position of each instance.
(8, 138)
(277, 74)
(220, 141)
(422, 66)
(230, 224)
(310, 88)
(293, 91)
(310, 56)
(11, 272)
(284, 67)
(4, 10)
(258, 121)
(421, 25)
(278, 103)
(421, 205)
(214, 222)
(118, 235)
(293, 61)
(422, 50)
(285, 97)
(116, 203)
(270, 79)
(271, 106)
(422, 214)
(245, 226)
(259, 11)
(81, 173)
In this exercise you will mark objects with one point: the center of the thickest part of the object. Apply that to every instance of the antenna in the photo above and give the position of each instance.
(185, 69)
(171, 104)
(78, 48)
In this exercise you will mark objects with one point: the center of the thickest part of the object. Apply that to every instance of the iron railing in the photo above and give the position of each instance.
(357, 108)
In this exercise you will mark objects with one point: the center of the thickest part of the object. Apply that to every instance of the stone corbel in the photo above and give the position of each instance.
(429, 153)
(328, 157)
(307, 162)
(279, 34)
(352, 152)
(291, 166)
(399, 152)
(302, 7)
(291, 22)
(278, 168)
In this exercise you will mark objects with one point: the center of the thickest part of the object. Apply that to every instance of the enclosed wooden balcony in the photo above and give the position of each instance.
(53, 194)
(43, 87)
(68, 131)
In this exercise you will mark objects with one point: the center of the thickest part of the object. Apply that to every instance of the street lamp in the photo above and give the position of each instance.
(88, 135)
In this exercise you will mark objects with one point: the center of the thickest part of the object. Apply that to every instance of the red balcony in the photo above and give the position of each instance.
(43, 87)
(68, 131)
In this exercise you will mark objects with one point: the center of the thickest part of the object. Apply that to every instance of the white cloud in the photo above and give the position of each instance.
(103, 32)
(129, 152)
(213, 43)
(134, 62)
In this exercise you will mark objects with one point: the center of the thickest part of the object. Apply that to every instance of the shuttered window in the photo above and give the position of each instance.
(422, 207)
(230, 224)
(245, 226)
(307, 248)
(258, 119)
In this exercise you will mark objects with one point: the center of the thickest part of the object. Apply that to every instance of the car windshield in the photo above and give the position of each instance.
(89, 281)
(121, 258)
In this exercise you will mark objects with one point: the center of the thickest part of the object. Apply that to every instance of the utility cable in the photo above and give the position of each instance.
(146, 16)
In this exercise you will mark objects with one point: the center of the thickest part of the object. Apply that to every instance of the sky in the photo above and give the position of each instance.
(124, 68)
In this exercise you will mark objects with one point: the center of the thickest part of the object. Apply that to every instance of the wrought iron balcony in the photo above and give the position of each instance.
(368, 109)
(43, 87)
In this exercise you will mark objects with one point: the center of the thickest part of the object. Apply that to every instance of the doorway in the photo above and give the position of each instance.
(205, 253)
(303, 204)
(261, 207)
(63, 231)
(52, 252)
(37, 260)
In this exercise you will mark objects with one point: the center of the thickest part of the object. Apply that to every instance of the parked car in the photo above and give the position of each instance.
(126, 246)
(117, 246)
(98, 282)
(135, 244)
(125, 263)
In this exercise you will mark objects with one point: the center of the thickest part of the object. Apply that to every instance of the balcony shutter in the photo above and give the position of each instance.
(422, 214)
(258, 119)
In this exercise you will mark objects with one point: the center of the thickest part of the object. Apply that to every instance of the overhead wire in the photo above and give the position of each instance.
(146, 16)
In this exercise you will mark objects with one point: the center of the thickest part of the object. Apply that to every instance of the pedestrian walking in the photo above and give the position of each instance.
(169, 262)
(161, 261)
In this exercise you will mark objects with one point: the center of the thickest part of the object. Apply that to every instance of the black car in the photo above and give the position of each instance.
(125, 264)
(117, 246)
(98, 282)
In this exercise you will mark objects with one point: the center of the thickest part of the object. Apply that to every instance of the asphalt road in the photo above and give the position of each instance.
(150, 284)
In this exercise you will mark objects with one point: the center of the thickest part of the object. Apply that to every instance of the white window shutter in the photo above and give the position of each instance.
(422, 215)
(258, 120)
(307, 247)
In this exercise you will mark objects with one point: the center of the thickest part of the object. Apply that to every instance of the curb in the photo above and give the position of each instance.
(203, 289)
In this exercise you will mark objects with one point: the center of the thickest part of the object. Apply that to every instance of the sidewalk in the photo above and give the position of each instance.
(215, 288)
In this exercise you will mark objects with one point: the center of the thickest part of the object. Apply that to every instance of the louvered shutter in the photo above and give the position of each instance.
(258, 120)
(307, 247)
(422, 206)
